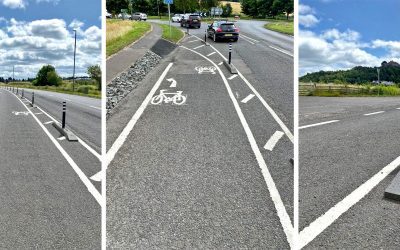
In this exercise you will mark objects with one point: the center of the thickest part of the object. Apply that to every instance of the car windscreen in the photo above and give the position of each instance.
(227, 27)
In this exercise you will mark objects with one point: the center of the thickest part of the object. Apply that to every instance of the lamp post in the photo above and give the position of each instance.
(73, 76)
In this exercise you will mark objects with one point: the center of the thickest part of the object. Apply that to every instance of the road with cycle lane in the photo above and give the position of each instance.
(199, 162)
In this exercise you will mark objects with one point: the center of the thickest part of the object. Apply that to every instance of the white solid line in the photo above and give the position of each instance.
(38, 113)
(317, 124)
(273, 191)
(95, 107)
(127, 130)
(320, 224)
(281, 50)
(249, 38)
(97, 177)
(212, 53)
(91, 188)
(90, 149)
(273, 140)
(199, 46)
(192, 41)
(62, 138)
(49, 122)
(374, 113)
(397, 108)
(248, 98)
(220, 63)
(230, 78)
(270, 110)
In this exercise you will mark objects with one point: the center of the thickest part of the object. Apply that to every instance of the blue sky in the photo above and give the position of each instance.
(341, 34)
(38, 32)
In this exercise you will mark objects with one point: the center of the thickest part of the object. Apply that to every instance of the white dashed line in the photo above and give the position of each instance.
(62, 138)
(319, 225)
(281, 50)
(39, 113)
(247, 40)
(248, 98)
(95, 107)
(212, 53)
(374, 113)
(317, 124)
(273, 140)
(199, 46)
(220, 63)
(252, 39)
(49, 122)
(230, 78)
(192, 41)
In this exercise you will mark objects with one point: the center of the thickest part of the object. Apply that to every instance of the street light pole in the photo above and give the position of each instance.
(73, 76)
(379, 80)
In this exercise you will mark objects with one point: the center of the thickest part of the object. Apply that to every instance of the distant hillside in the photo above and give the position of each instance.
(389, 71)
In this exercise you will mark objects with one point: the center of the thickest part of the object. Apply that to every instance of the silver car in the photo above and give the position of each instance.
(139, 16)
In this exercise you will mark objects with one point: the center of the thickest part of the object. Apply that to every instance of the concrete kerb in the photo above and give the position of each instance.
(230, 67)
(65, 132)
(393, 190)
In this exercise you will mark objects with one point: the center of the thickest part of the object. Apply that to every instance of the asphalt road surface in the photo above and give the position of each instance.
(83, 113)
(349, 149)
(200, 158)
(46, 202)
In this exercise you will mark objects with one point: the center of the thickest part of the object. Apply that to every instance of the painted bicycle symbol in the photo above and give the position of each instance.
(20, 112)
(175, 97)
(206, 69)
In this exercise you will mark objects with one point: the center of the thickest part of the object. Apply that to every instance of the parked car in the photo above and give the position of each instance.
(223, 30)
(139, 16)
(191, 21)
(124, 16)
(108, 15)
(177, 18)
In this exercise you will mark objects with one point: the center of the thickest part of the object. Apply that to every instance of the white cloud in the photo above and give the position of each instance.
(308, 20)
(30, 45)
(14, 4)
(305, 9)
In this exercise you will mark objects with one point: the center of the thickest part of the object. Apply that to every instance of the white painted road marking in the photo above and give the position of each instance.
(97, 177)
(173, 82)
(39, 113)
(319, 225)
(192, 41)
(62, 138)
(273, 140)
(199, 46)
(270, 110)
(172, 97)
(254, 40)
(247, 40)
(48, 122)
(205, 69)
(374, 113)
(397, 108)
(317, 124)
(20, 113)
(230, 78)
(220, 63)
(281, 50)
(248, 98)
(212, 53)
(128, 128)
(273, 191)
(95, 107)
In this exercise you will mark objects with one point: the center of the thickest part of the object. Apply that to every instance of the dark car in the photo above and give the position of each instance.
(223, 30)
(191, 21)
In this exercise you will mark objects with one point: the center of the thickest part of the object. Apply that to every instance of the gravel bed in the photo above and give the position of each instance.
(127, 81)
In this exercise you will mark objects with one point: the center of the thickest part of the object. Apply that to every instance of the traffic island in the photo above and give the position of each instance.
(393, 190)
(65, 132)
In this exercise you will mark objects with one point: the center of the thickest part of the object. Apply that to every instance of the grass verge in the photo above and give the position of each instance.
(121, 33)
(88, 90)
(338, 90)
(176, 33)
(281, 27)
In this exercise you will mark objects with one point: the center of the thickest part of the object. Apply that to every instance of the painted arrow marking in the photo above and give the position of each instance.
(173, 82)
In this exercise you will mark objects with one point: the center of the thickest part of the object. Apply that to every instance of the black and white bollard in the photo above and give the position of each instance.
(64, 111)
(33, 98)
(230, 53)
(205, 36)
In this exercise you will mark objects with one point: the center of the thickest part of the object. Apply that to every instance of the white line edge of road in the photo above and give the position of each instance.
(273, 191)
(91, 188)
(246, 39)
(90, 149)
(281, 50)
(374, 113)
(317, 124)
(252, 39)
(270, 110)
(273, 140)
(128, 128)
(319, 225)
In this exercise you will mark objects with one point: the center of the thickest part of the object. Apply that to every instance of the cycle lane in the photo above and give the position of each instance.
(186, 175)
(44, 203)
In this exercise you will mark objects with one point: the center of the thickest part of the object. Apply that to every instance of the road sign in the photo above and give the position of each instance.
(216, 11)
(168, 1)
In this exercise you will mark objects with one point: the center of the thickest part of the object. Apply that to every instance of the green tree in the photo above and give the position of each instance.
(227, 10)
(95, 73)
(186, 5)
(115, 6)
(288, 7)
(141, 6)
(47, 76)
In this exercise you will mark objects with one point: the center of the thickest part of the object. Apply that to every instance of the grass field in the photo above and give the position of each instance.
(121, 33)
(285, 27)
(236, 7)
(336, 90)
(82, 88)
(176, 33)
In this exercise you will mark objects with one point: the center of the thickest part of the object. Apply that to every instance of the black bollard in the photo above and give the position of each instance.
(33, 98)
(230, 53)
(64, 110)
(205, 36)
(22, 93)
